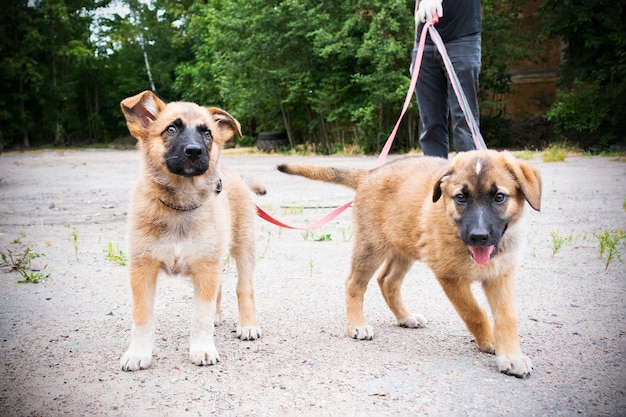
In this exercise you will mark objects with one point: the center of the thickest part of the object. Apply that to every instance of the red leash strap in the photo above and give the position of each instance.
(324, 220)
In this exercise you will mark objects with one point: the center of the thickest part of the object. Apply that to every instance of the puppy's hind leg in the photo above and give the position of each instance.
(143, 277)
(390, 283)
(365, 260)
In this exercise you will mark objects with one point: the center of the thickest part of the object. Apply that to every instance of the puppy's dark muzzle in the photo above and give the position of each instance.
(481, 229)
(188, 158)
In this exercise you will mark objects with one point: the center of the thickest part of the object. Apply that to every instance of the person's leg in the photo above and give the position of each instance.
(465, 57)
(432, 101)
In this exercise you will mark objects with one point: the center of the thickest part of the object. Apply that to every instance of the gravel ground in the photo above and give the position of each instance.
(61, 339)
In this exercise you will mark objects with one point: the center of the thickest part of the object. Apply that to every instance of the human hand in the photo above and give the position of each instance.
(427, 9)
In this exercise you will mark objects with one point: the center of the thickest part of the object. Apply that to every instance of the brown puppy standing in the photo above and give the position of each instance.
(185, 214)
(461, 218)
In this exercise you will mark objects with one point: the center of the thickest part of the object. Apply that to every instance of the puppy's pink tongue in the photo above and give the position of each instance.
(481, 254)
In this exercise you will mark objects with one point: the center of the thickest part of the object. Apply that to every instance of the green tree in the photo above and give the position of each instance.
(592, 79)
(139, 49)
(304, 66)
(45, 52)
(22, 75)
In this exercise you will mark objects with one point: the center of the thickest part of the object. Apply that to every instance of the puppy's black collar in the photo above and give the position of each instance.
(218, 189)
(179, 208)
(218, 186)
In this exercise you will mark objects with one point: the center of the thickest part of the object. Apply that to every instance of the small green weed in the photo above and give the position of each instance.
(559, 241)
(307, 234)
(323, 238)
(267, 244)
(346, 233)
(555, 153)
(525, 155)
(75, 241)
(22, 263)
(18, 239)
(293, 209)
(609, 243)
(115, 255)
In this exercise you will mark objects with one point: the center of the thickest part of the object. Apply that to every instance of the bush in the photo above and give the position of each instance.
(590, 109)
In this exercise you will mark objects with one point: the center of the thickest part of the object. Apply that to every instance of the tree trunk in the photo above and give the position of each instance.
(325, 136)
(91, 125)
(147, 62)
(25, 140)
(287, 124)
(411, 125)
(380, 126)
(58, 129)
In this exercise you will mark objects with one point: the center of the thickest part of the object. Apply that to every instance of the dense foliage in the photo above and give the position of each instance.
(593, 74)
(329, 73)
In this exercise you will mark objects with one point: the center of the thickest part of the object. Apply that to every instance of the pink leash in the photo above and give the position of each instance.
(478, 140)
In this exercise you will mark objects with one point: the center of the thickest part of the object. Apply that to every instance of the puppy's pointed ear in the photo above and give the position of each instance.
(140, 111)
(227, 125)
(528, 178)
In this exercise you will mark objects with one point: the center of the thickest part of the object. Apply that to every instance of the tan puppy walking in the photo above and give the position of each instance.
(185, 215)
(461, 218)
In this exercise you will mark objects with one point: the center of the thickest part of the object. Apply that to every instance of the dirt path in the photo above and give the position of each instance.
(61, 340)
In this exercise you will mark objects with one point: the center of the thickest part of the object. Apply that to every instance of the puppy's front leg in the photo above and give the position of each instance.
(248, 326)
(475, 318)
(206, 281)
(509, 355)
(143, 277)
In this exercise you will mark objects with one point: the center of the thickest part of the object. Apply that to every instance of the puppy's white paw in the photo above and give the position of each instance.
(139, 354)
(203, 357)
(365, 332)
(249, 332)
(413, 322)
(136, 359)
(516, 365)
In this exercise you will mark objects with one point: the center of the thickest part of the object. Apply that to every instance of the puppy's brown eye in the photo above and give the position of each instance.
(460, 199)
(171, 130)
(206, 134)
(500, 198)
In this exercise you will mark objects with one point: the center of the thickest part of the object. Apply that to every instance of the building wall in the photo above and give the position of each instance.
(533, 87)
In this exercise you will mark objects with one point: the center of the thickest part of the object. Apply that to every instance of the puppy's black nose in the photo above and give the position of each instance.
(193, 152)
(479, 237)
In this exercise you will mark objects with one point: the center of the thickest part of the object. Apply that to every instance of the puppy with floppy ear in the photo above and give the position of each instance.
(185, 215)
(461, 218)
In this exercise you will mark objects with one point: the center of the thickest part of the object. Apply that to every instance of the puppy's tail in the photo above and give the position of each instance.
(349, 177)
(255, 186)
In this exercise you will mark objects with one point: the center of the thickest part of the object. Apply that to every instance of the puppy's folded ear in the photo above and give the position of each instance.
(228, 126)
(442, 177)
(528, 179)
(141, 110)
